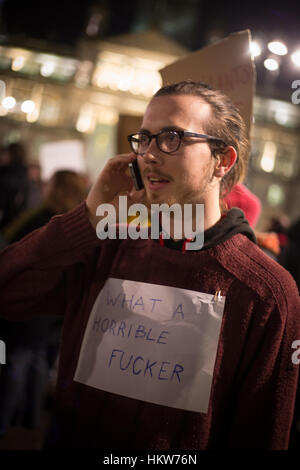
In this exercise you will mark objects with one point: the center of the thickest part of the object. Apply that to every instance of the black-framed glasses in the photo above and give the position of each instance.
(168, 141)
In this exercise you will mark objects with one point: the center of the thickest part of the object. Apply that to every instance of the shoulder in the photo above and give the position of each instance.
(257, 271)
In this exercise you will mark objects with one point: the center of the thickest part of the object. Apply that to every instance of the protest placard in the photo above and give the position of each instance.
(153, 343)
(226, 65)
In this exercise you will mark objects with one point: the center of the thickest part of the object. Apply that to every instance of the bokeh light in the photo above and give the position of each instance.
(255, 48)
(271, 64)
(277, 47)
(296, 58)
(8, 102)
(28, 106)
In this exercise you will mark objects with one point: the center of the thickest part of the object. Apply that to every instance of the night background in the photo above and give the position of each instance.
(188, 21)
(193, 23)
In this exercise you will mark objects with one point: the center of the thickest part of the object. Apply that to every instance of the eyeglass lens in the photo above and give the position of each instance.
(167, 141)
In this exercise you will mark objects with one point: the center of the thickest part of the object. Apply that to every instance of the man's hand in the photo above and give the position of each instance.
(113, 181)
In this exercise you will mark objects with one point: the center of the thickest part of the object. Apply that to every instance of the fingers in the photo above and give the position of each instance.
(116, 166)
(121, 161)
(112, 180)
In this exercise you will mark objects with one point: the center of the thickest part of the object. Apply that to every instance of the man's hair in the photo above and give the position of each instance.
(225, 123)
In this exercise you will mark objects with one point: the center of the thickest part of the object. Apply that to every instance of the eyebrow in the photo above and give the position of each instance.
(166, 128)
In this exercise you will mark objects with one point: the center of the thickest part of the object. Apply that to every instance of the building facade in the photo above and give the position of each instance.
(98, 94)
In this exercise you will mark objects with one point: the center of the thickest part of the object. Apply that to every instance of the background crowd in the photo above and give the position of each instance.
(32, 347)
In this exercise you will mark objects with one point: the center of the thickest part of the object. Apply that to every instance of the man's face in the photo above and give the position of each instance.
(185, 176)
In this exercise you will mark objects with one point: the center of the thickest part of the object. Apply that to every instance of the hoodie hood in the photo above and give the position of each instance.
(231, 223)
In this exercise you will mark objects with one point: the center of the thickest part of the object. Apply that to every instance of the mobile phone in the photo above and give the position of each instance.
(136, 175)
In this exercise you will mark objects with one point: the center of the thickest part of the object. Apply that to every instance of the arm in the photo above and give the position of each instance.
(32, 270)
(266, 386)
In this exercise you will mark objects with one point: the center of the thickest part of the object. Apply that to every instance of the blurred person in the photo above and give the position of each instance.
(290, 255)
(13, 182)
(191, 149)
(280, 225)
(289, 258)
(269, 243)
(35, 186)
(62, 192)
(271, 240)
(32, 345)
(274, 238)
(241, 196)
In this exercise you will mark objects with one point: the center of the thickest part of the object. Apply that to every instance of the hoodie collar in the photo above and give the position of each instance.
(230, 224)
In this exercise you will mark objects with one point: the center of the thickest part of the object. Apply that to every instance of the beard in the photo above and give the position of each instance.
(185, 194)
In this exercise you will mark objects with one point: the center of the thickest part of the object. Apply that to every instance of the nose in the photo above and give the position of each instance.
(153, 154)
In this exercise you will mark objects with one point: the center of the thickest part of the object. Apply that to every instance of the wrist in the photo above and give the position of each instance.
(91, 214)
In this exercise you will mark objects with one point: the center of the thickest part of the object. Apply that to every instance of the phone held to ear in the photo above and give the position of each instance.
(136, 175)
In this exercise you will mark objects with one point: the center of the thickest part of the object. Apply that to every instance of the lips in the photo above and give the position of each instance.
(156, 182)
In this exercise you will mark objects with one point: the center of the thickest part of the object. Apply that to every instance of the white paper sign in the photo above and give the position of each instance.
(153, 343)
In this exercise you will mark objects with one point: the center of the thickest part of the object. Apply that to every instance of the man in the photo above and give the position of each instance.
(63, 268)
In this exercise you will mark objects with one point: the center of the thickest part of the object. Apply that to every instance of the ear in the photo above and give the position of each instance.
(225, 162)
